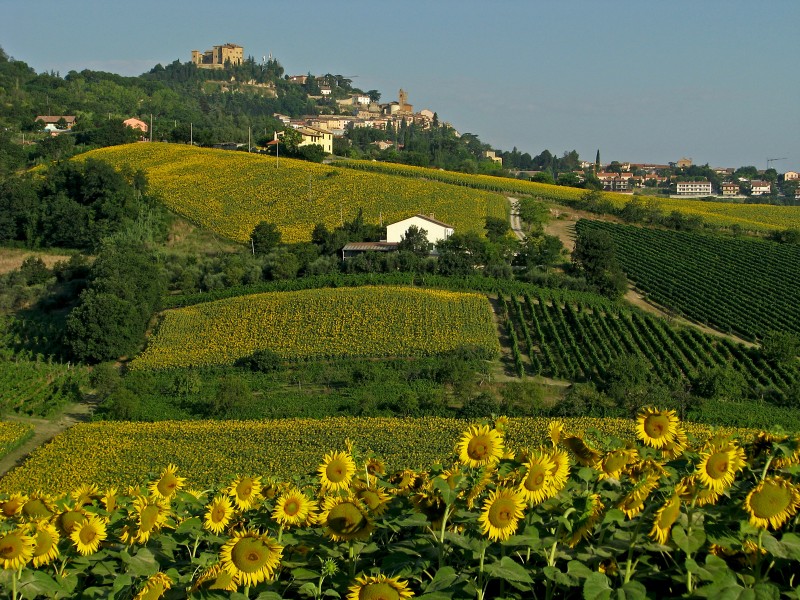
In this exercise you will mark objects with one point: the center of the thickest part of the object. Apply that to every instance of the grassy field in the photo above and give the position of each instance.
(322, 323)
(231, 192)
(208, 452)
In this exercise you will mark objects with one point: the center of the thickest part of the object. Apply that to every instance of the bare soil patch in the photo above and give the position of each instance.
(11, 259)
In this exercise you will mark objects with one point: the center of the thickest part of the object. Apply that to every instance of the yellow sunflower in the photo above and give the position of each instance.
(375, 467)
(676, 447)
(502, 511)
(16, 549)
(336, 471)
(717, 468)
(584, 454)
(38, 506)
(85, 494)
(294, 508)
(772, 502)
(88, 535)
(430, 505)
(345, 519)
(374, 498)
(588, 509)
(218, 514)
(46, 550)
(665, 518)
(168, 484)
(406, 481)
(13, 506)
(155, 587)
(151, 514)
(70, 519)
(690, 489)
(109, 499)
(560, 473)
(379, 587)
(245, 491)
(555, 430)
(216, 578)
(538, 484)
(480, 446)
(251, 557)
(613, 463)
(633, 502)
(656, 428)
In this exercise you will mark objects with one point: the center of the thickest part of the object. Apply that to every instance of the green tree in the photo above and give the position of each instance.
(291, 139)
(265, 238)
(415, 240)
(533, 212)
(496, 228)
(781, 347)
(595, 255)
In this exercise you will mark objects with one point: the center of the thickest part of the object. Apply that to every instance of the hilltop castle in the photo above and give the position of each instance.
(218, 56)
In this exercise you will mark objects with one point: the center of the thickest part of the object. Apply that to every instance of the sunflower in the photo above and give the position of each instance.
(772, 502)
(345, 519)
(68, 520)
(538, 484)
(691, 490)
(151, 514)
(168, 484)
(16, 549)
(155, 587)
(480, 446)
(676, 447)
(294, 508)
(218, 514)
(554, 431)
(560, 472)
(13, 506)
(430, 505)
(633, 502)
(245, 491)
(85, 494)
(656, 428)
(584, 454)
(251, 557)
(374, 498)
(502, 511)
(46, 536)
(375, 467)
(665, 518)
(216, 578)
(88, 535)
(336, 471)
(109, 499)
(379, 587)
(406, 481)
(38, 506)
(717, 469)
(613, 463)
(588, 509)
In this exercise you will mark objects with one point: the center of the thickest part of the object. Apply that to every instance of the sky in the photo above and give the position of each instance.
(716, 81)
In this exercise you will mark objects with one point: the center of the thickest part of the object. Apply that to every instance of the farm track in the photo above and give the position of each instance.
(44, 430)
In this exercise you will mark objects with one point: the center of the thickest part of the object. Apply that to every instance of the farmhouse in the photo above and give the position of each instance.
(693, 188)
(435, 230)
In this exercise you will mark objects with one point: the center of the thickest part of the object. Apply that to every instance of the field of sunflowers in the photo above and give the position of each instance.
(749, 216)
(509, 509)
(231, 192)
(12, 434)
(322, 323)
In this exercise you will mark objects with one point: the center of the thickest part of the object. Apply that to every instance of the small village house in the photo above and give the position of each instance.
(435, 231)
(693, 188)
(759, 188)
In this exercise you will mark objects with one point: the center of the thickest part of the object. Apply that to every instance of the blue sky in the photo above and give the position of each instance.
(716, 81)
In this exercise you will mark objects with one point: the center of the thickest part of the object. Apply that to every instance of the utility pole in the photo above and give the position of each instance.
(191, 134)
(248, 139)
(151, 127)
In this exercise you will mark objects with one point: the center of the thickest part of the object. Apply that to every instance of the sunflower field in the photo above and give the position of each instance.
(231, 192)
(322, 323)
(559, 515)
(12, 434)
(757, 217)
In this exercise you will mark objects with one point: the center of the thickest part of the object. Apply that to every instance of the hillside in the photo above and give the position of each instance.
(231, 192)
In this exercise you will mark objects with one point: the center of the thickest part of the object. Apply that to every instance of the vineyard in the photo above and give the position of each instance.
(578, 341)
(231, 192)
(744, 286)
(322, 323)
(748, 216)
(108, 453)
(37, 387)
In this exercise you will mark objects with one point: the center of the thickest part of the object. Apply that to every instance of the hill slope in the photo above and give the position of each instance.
(231, 192)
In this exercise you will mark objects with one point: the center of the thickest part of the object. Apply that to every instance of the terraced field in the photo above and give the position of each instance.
(231, 192)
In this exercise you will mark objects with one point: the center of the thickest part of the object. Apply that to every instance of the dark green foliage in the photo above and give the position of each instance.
(595, 255)
(415, 240)
(263, 361)
(496, 228)
(265, 237)
(781, 347)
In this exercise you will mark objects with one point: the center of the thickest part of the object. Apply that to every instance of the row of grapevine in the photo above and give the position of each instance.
(578, 341)
(37, 387)
(745, 286)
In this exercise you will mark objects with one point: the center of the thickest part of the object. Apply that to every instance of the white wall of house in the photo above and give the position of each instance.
(436, 232)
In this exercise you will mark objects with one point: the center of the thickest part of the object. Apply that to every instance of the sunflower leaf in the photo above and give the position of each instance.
(443, 579)
(38, 583)
(596, 587)
(188, 525)
(791, 542)
(142, 564)
(508, 569)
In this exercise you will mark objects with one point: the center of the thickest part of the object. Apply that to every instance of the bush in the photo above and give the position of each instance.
(263, 361)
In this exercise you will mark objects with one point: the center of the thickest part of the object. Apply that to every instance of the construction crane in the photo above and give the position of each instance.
(771, 160)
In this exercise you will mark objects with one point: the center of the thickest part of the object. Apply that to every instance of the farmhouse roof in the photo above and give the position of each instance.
(366, 246)
(429, 219)
(55, 119)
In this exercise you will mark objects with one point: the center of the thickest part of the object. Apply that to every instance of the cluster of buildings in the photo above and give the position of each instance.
(218, 56)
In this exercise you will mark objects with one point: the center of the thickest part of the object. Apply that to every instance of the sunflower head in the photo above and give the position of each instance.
(345, 519)
(665, 518)
(772, 502)
(70, 519)
(656, 428)
(218, 514)
(584, 454)
(155, 587)
(717, 468)
(379, 587)
(109, 499)
(151, 514)
(215, 578)
(554, 431)
(46, 550)
(38, 506)
(16, 549)
(374, 498)
(85, 494)
(480, 446)
(251, 557)
(294, 508)
(12, 506)
(245, 491)
(88, 535)
(501, 514)
(538, 484)
(168, 484)
(336, 471)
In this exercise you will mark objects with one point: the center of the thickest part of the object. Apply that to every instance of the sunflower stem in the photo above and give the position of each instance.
(280, 533)
(766, 467)
(351, 554)
(758, 556)
(481, 590)
(247, 591)
(17, 574)
(629, 565)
